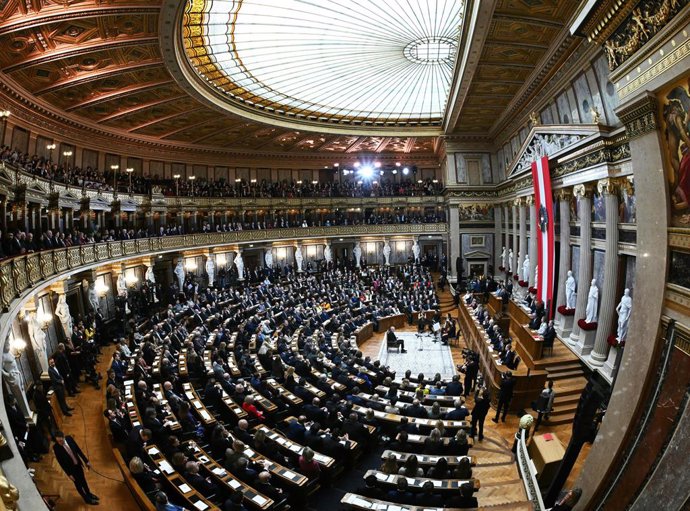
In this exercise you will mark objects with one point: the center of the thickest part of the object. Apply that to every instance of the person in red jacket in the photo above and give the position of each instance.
(249, 407)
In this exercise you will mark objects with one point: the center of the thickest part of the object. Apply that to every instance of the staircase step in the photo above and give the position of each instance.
(567, 399)
(556, 420)
(564, 375)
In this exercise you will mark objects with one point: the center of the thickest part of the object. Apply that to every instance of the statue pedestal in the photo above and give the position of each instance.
(564, 325)
(585, 343)
(612, 362)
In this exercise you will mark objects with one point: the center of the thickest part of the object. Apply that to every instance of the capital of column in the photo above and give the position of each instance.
(519, 201)
(563, 194)
(608, 186)
(639, 117)
(529, 200)
(583, 190)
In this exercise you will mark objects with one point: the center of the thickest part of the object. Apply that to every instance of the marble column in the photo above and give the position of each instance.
(506, 234)
(522, 251)
(584, 275)
(514, 244)
(609, 189)
(454, 241)
(563, 323)
(532, 240)
(498, 236)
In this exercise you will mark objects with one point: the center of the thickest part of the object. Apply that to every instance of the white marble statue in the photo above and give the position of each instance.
(415, 251)
(12, 376)
(623, 310)
(525, 269)
(121, 285)
(387, 253)
(592, 303)
(357, 252)
(239, 264)
(504, 263)
(570, 294)
(149, 276)
(151, 279)
(328, 253)
(210, 270)
(299, 258)
(179, 273)
(510, 260)
(268, 258)
(38, 341)
(62, 312)
(93, 297)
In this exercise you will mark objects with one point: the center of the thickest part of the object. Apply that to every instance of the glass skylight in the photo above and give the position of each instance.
(347, 61)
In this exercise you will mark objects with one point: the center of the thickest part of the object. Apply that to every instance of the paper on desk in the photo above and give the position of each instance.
(394, 508)
(392, 478)
(184, 488)
(437, 483)
(360, 502)
(197, 404)
(203, 459)
(289, 475)
(200, 505)
(220, 472)
(234, 484)
(166, 467)
(205, 415)
(259, 500)
(153, 450)
(381, 477)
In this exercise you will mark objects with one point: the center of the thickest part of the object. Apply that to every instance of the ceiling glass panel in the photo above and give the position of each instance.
(346, 61)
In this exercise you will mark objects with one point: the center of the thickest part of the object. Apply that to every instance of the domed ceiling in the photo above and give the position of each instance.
(103, 66)
(365, 62)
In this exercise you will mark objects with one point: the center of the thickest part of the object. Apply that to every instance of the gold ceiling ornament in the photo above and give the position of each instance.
(534, 119)
(563, 194)
(529, 200)
(608, 186)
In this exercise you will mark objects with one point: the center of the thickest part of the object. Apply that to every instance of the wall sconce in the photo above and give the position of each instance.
(221, 260)
(44, 318)
(101, 288)
(190, 264)
(17, 346)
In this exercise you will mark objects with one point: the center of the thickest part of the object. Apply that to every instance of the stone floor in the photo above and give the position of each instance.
(423, 356)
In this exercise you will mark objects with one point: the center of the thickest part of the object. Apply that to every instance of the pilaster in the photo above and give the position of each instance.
(584, 193)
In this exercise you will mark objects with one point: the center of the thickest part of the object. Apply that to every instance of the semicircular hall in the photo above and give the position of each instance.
(286, 255)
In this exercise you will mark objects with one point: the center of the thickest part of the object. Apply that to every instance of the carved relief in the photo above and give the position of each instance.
(644, 22)
(544, 145)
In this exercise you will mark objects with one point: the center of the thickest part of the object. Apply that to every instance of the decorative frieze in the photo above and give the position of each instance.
(639, 117)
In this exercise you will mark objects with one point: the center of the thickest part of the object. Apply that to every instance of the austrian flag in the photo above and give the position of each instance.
(546, 240)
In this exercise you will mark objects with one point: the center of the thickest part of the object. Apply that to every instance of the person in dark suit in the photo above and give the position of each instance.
(479, 412)
(549, 335)
(57, 382)
(72, 460)
(505, 395)
(391, 339)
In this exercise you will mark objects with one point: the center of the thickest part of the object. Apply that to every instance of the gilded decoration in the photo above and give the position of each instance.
(648, 18)
(674, 114)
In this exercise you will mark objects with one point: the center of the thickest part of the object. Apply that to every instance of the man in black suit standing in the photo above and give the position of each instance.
(505, 395)
(72, 460)
(57, 382)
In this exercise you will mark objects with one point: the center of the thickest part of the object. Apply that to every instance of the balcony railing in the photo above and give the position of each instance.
(528, 472)
(21, 273)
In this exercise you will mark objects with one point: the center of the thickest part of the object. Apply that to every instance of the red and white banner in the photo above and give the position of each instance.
(546, 239)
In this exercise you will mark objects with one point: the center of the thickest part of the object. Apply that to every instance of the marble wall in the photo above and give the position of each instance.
(575, 262)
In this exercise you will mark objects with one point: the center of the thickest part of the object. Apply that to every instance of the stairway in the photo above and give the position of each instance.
(568, 382)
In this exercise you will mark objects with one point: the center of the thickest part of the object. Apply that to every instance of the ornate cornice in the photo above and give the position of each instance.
(608, 186)
(605, 18)
(639, 117)
(563, 194)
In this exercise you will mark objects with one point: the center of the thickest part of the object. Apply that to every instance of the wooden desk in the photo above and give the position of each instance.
(440, 485)
(547, 453)
(395, 419)
(527, 384)
(294, 448)
(427, 459)
(198, 406)
(186, 492)
(364, 332)
(397, 320)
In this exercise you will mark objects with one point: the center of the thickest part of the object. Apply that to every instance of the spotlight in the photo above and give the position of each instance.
(381, 172)
(336, 165)
(377, 164)
(394, 172)
(406, 171)
(367, 171)
(357, 164)
(397, 164)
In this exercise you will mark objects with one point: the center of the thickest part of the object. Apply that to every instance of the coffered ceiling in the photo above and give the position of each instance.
(100, 64)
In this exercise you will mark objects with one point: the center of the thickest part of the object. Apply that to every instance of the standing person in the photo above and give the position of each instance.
(471, 372)
(58, 384)
(479, 412)
(505, 395)
(544, 403)
(72, 460)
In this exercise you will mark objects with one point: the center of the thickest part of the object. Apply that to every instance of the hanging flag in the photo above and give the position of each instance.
(546, 239)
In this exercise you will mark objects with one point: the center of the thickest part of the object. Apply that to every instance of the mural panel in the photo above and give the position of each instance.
(674, 105)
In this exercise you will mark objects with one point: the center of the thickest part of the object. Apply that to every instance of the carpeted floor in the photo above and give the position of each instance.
(423, 356)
